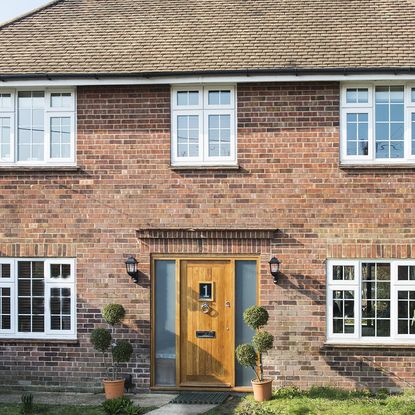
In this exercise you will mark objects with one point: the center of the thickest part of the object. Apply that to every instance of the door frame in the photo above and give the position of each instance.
(191, 257)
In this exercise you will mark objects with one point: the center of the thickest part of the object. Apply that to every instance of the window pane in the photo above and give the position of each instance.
(5, 100)
(5, 308)
(30, 302)
(5, 144)
(30, 131)
(219, 97)
(165, 322)
(376, 299)
(5, 271)
(60, 100)
(187, 135)
(343, 272)
(60, 137)
(413, 132)
(343, 311)
(357, 134)
(357, 95)
(188, 98)
(219, 135)
(389, 116)
(60, 308)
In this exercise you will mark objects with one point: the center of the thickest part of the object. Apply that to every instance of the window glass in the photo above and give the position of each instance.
(376, 300)
(357, 96)
(245, 296)
(357, 134)
(219, 97)
(187, 98)
(5, 271)
(219, 135)
(60, 137)
(60, 308)
(31, 296)
(31, 129)
(187, 135)
(343, 311)
(5, 308)
(406, 312)
(5, 129)
(61, 100)
(413, 133)
(165, 322)
(389, 120)
(343, 272)
(5, 101)
(60, 271)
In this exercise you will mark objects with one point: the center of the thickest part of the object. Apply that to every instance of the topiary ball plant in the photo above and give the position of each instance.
(256, 317)
(101, 339)
(113, 314)
(122, 351)
(248, 355)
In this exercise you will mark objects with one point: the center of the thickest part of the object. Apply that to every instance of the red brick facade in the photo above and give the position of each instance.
(289, 179)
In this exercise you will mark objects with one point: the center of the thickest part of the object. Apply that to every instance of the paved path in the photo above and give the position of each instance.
(180, 409)
(160, 400)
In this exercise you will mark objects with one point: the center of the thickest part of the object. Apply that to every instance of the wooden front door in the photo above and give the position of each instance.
(207, 323)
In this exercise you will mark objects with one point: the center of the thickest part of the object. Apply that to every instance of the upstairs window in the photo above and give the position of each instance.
(37, 127)
(37, 298)
(377, 124)
(203, 126)
(371, 301)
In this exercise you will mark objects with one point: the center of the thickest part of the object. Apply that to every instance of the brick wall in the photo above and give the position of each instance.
(288, 145)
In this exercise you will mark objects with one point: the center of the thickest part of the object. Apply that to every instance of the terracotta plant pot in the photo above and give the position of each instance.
(262, 390)
(113, 388)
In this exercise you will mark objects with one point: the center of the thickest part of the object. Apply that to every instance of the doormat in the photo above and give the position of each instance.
(208, 398)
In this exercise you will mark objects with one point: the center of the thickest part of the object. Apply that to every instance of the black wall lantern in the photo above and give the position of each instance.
(274, 268)
(131, 267)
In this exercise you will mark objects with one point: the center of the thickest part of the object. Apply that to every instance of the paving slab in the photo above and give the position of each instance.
(70, 398)
(181, 409)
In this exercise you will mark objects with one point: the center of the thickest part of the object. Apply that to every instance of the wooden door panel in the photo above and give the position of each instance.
(207, 361)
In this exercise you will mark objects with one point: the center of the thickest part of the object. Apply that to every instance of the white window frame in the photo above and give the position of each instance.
(203, 110)
(369, 108)
(49, 283)
(396, 285)
(49, 112)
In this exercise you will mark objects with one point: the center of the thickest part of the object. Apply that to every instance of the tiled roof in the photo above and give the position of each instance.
(147, 36)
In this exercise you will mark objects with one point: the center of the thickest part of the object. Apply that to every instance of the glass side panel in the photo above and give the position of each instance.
(245, 296)
(165, 323)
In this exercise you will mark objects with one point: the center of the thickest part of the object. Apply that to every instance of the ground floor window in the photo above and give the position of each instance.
(371, 301)
(197, 320)
(37, 298)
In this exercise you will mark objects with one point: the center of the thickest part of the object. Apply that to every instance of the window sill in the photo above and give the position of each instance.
(329, 345)
(38, 341)
(38, 168)
(366, 166)
(206, 167)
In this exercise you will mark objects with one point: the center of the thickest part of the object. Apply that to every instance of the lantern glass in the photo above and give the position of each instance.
(275, 267)
(131, 265)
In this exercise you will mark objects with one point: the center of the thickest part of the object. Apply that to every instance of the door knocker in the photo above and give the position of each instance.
(205, 308)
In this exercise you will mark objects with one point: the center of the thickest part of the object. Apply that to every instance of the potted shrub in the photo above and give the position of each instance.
(251, 355)
(119, 350)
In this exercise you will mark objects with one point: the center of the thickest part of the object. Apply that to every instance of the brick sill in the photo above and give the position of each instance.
(364, 166)
(220, 167)
(38, 168)
(367, 346)
(39, 341)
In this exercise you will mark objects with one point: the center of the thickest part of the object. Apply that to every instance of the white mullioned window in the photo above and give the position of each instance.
(37, 298)
(203, 126)
(371, 301)
(377, 123)
(37, 127)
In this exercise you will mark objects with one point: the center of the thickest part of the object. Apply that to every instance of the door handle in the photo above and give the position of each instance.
(227, 304)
